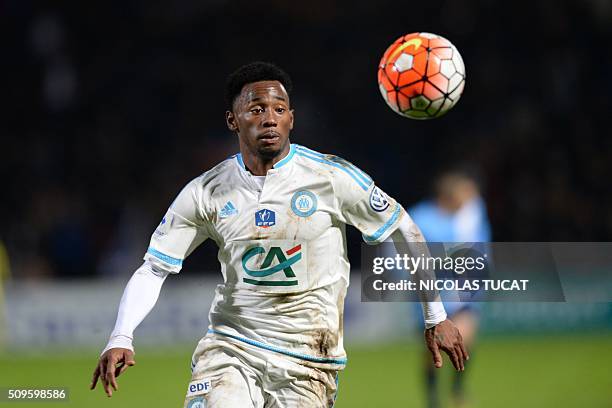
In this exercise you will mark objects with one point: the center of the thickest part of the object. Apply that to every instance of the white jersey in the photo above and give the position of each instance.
(282, 248)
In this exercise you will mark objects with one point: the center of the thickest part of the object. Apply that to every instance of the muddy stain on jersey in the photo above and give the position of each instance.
(323, 342)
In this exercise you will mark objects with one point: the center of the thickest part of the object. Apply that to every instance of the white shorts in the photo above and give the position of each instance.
(227, 375)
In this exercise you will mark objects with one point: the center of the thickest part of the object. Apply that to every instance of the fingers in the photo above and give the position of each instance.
(460, 350)
(460, 357)
(432, 345)
(120, 369)
(437, 357)
(456, 355)
(111, 365)
(128, 358)
(447, 338)
(109, 376)
(452, 354)
(112, 380)
(102, 366)
(94, 380)
(464, 352)
(103, 379)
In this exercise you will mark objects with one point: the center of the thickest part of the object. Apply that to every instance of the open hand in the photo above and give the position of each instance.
(110, 366)
(446, 337)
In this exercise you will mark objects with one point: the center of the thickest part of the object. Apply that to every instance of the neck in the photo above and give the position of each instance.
(259, 165)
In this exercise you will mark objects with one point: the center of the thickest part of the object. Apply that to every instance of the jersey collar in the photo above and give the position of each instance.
(287, 158)
(278, 164)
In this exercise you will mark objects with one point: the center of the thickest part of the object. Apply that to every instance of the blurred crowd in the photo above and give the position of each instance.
(109, 109)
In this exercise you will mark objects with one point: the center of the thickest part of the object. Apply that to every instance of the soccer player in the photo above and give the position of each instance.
(277, 211)
(456, 214)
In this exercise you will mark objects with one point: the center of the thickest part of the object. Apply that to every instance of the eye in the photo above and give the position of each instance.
(256, 110)
(280, 110)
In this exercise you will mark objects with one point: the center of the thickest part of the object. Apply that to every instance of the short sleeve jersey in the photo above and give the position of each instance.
(282, 248)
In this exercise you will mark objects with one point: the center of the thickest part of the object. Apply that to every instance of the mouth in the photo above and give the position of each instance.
(269, 136)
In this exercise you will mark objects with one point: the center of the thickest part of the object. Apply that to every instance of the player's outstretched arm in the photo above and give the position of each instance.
(112, 364)
(440, 333)
(139, 297)
(446, 337)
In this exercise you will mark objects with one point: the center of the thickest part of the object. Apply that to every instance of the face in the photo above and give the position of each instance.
(263, 119)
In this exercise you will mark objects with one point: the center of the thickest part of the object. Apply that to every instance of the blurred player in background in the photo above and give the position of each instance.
(457, 213)
(277, 212)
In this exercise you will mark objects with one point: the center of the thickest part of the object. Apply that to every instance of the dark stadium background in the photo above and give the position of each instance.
(109, 108)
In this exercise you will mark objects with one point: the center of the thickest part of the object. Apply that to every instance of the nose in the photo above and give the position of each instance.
(269, 120)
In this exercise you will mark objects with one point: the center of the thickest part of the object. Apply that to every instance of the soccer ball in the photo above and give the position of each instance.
(421, 76)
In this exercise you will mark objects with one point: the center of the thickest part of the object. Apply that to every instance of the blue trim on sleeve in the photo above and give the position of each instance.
(348, 166)
(379, 232)
(339, 361)
(364, 176)
(287, 158)
(166, 258)
(336, 393)
(348, 171)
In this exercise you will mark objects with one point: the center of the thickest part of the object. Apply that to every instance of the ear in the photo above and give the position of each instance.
(291, 124)
(230, 120)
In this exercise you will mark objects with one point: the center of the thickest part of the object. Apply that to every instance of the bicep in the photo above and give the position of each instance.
(181, 230)
(374, 214)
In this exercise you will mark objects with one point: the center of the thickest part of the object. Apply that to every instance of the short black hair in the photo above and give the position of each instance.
(254, 72)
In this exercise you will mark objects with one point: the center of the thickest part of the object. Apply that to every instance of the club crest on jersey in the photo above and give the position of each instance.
(265, 218)
(284, 261)
(199, 402)
(378, 200)
(304, 203)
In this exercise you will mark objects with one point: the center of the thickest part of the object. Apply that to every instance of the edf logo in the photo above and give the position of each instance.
(265, 218)
(200, 387)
